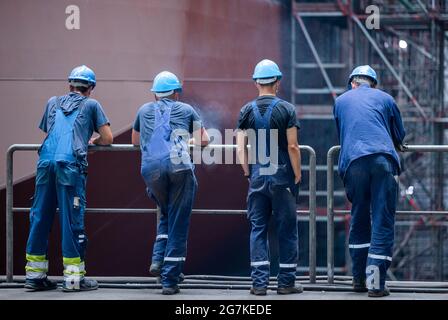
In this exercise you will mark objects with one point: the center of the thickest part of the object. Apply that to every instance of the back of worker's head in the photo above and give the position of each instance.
(362, 75)
(166, 85)
(82, 79)
(360, 80)
(267, 75)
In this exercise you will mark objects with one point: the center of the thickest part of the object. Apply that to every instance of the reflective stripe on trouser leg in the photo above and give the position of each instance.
(158, 251)
(36, 266)
(285, 217)
(384, 200)
(74, 271)
(71, 201)
(259, 212)
(357, 187)
(182, 192)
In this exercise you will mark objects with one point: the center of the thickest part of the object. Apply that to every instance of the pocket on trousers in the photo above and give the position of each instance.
(180, 163)
(67, 174)
(42, 172)
(79, 205)
(150, 173)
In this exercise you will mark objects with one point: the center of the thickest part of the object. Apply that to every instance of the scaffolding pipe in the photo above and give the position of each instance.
(391, 68)
(316, 56)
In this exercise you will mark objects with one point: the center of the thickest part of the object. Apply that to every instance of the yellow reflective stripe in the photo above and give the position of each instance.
(72, 261)
(33, 258)
(74, 273)
(74, 269)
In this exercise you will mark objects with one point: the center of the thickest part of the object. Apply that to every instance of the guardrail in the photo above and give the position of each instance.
(330, 200)
(10, 209)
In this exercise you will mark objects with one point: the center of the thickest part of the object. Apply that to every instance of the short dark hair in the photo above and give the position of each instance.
(80, 85)
(80, 89)
(359, 80)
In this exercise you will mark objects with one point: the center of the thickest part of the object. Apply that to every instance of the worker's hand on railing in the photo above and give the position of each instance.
(401, 147)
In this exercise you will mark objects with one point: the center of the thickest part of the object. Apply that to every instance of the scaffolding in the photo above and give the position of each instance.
(330, 38)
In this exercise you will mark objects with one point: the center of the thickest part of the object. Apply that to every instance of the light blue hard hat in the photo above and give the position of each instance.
(83, 73)
(366, 71)
(166, 81)
(267, 69)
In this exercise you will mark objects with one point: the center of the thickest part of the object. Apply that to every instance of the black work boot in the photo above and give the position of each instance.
(40, 284)
(258, 291)
(84, 285)
(290, 290)
(170, 290)
(359, 285)
(379, 293)
(155, 269)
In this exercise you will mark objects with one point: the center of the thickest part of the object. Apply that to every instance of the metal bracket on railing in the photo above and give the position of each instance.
(10, 209)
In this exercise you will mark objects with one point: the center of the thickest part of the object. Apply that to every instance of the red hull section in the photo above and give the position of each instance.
(211, 45)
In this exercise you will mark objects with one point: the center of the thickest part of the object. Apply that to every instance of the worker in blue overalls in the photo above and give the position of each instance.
(273, 167)
(370, 130)
(69, 122)
(162, 129)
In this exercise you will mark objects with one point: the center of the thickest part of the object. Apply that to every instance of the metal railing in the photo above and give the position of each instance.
(10, 209)
(331, 212)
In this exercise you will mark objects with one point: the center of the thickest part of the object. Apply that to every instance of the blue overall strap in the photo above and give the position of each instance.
(58, 145)
(159, 145)
(159, 118)
(264, 122)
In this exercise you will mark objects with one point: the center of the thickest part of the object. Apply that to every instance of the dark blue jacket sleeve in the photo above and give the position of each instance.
(397, 128)
(337, 122)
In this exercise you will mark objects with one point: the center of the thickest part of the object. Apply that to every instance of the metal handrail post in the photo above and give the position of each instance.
(312, 212)
(330, 213)
(9, 215)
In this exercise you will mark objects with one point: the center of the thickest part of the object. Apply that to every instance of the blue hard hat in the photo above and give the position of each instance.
(83, 73)
(266, 69)
(366, 71)
(166, 81)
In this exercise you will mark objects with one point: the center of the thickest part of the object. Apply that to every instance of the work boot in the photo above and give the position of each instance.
(290, 290)
(359, 285)
(155, 269)
(258, 291)
(40, 284)
(170, 290)
(379, 293)
(84, 285)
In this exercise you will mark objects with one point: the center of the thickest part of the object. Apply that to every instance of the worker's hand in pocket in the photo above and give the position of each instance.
(298, 179)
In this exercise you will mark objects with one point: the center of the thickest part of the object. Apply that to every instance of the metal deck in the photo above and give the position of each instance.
(205, 287)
